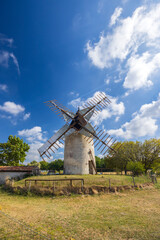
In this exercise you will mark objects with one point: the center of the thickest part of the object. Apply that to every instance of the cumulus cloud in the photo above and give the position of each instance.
(140, 69)
(35, 138)
(33, 153)
(13, 111)
(3, 87)
(144, 122)
(137, 127)
(115, 108)
(32, 134)
(12, 108)
(133, 40)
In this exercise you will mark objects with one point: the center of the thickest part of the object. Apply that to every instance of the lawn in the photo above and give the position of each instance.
(127, 215)
(90, 180)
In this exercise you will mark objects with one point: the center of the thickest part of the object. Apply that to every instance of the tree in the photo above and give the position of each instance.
(44, 165)
(136, 168)
(34, 163)
(98, 162)
(13, 152)
(150, 152)
(128, 151)
(56, 165)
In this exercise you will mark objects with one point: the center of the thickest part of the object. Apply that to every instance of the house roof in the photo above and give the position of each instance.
(17, 168)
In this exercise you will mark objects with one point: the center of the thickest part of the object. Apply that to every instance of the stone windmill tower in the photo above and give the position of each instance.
(79, 137)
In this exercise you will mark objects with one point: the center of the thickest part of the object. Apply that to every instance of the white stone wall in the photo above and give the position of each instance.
(4, 175)
(76, 154)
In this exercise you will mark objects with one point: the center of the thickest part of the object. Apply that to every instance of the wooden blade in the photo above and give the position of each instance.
(53, 142)
(60, 110)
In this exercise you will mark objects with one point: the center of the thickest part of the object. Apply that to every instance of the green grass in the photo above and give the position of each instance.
(130, 215)
(89, 180)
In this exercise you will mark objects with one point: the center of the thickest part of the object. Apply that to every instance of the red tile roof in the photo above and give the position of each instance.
(17, 168)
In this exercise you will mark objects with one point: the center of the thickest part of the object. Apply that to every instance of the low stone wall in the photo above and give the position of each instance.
(51, 191)
(10, 175)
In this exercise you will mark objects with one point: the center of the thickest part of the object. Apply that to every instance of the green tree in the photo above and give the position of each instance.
(129, 151)
(98, 162)
(136, 168)
(56, 165)
(150, 152)
(34, 163)
(13, 152)
(44, 165)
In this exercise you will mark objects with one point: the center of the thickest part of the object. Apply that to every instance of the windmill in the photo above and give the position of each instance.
(79, 137)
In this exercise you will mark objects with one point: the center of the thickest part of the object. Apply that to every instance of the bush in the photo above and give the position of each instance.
(136, 168)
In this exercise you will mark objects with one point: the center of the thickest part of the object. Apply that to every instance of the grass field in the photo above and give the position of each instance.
(131, 215)
(89, 180)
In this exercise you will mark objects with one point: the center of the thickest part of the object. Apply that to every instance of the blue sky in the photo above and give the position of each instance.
(70, 50)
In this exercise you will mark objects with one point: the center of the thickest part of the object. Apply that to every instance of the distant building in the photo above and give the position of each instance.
(12, 172)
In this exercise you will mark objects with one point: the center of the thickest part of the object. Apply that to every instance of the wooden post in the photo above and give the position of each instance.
(54, 186)
(82, 184)
(35, 182)
(109, 183)
(133, 181)
(29, 185)
(71, 182)
(25, 183)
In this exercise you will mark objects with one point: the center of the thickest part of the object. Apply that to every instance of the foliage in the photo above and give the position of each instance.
(150, 151)
(147, 153)
(126, 153)
(44, 165)
(56, 165)
(137, 168)
(13, 152)
(34, 163)
(99, 162)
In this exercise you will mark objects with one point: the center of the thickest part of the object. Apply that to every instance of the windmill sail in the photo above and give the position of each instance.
(53, 143)
(102, 139)
(60, 110)
(96, 104)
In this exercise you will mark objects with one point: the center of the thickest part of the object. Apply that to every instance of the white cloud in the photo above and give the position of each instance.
(33, 134)
(15, 62)
(107, 81)
(33, 153)
(115, 16)
(142, 124)
(151, 109)
(137, 127)
(4, 58)
(135, 37)
(35, 137)
(3, 87)
(114, 109)
(12, 108)
(76, 102)
(26, 116)
(6, 55)
(140, 69)
(6, 41)
(72, 93)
